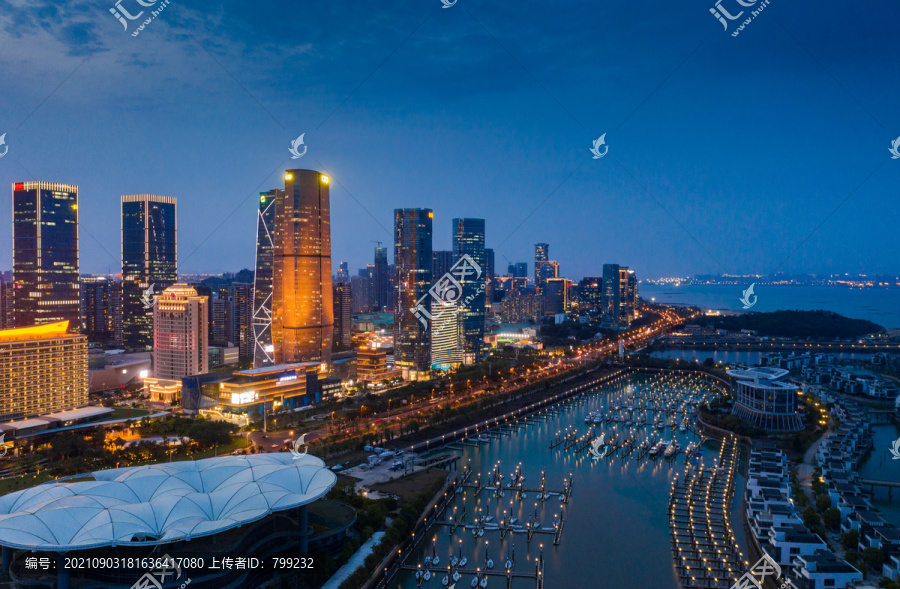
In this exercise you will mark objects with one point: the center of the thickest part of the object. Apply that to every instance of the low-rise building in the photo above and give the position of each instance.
(822, 570)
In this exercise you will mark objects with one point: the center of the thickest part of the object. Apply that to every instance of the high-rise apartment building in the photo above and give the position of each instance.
(380, 281)
(180, 333)
(7, 304)
(468, 240)
(361, 291)
(413, 259)
(43, 370)
(45, 254)
(446, 336)
(302, 309)
(218, 330)
(519, 307)
(149, 262)
(342, 315)
(240, 312)
(263, 350)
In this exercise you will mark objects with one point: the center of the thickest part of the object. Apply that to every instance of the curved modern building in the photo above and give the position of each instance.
(116, 519)
(763, 400)
(302, 307)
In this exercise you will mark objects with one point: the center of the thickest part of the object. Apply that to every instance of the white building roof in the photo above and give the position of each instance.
(26, 423)
(81, 413)
(758, 373)
(166, 502)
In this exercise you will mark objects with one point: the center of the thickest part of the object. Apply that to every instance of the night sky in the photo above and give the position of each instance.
(749, 154)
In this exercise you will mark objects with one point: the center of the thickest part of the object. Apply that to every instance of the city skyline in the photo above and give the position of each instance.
(700, 176)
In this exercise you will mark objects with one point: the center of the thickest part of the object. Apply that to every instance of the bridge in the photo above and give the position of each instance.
(889, 485)
(782, 345)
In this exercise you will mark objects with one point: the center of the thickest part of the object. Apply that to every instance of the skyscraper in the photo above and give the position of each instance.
(413, 258)
(45, 254)
(149, 259)
(343, 273)
(263, 351)
(489, 262)
(619, 296)
(7, 306)
(556, 296)
(380, 279)
(240, 312)
(342, 315)
(518, 270)
(302, 309)
(468, 239)
(180, 344)
(441, 262)
(541, 256)
(97, 308)
(361, 292)
(611, 296)
(590, 294)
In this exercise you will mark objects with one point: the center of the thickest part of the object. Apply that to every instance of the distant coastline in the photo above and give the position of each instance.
(878, 305)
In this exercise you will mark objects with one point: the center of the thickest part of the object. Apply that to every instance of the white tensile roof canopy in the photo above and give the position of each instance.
(159, 503)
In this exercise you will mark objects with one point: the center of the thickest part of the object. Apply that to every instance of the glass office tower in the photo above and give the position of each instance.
(412, 258)
(468, 239)
(380, 279)
(302, 307)
(149, 259)
(263, 350)
(45, 254)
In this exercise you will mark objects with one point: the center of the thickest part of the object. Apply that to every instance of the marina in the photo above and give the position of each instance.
(704, 546)
(516, 495)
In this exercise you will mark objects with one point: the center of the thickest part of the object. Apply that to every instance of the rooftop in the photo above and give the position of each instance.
(147, 505)
(46, 331)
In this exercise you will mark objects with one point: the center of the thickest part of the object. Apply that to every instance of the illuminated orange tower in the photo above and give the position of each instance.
(302, 311)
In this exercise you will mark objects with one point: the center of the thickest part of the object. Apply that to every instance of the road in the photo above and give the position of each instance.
(583, 353)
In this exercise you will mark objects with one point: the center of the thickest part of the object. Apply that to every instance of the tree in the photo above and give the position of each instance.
(850, 540)
(823, 502)
(832, 518)
(873, 557)
(810, 517)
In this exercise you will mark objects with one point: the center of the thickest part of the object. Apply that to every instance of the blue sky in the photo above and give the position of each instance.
(753, 153)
